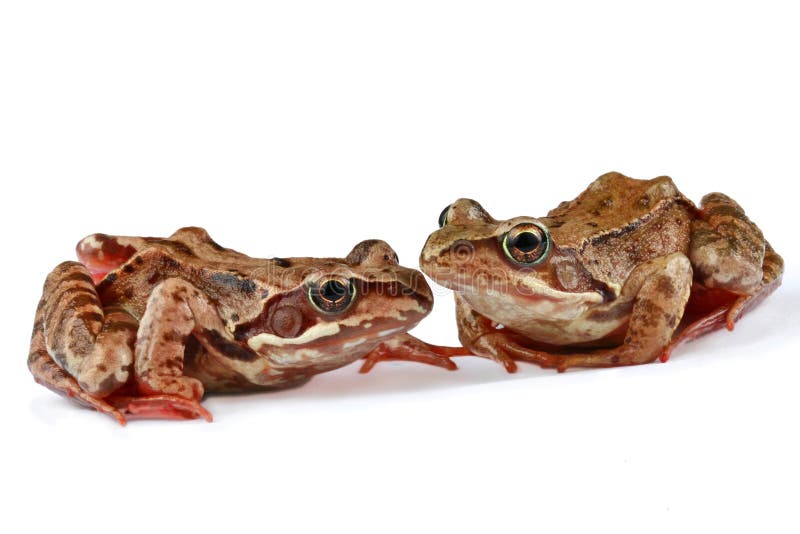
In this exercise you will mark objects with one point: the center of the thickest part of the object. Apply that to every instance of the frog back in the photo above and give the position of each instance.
(618, 223)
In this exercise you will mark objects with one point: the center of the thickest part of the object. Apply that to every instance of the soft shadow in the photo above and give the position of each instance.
(49, 408)
(386, 379)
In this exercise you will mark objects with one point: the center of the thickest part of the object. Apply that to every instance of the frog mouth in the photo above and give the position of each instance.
(337, 349)
(328, 335)
(356, 341)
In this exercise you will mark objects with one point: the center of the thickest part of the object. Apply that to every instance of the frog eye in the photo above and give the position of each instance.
(443, 216)
(332, 295)
(527, 244)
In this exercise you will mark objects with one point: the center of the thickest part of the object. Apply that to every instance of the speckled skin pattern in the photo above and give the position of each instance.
(145, 326)
(632, 269)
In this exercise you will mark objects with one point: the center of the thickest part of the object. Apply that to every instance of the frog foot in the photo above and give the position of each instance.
(162, 406)
(506, 350)
(410, 349)
(502, 356)
(84, 399)
(730, 310)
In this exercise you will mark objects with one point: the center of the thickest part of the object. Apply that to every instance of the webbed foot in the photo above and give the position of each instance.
(410, 349)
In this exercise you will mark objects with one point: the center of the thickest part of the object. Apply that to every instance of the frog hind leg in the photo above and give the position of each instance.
(735, 269)
(159, 407)
(405, 347)
(712, 309)
(47, 373)
(728, 252)
(78, 348)
(726, 248)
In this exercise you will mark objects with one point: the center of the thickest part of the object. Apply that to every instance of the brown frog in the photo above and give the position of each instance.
(618, 276)
(144, 326)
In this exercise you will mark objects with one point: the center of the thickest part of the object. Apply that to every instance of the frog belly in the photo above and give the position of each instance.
(572, 320)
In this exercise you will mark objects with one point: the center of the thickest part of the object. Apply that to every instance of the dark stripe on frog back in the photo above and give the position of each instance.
(602, 238)
(175, 246)
(160, 265)
(128, 279)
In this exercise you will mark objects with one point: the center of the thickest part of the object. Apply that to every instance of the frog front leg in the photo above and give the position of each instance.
(483, 338)
(405, 347)
(656, 293)
(660, 289)
(79, 348)
(175, 310)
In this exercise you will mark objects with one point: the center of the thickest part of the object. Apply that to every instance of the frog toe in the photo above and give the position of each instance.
(409, 348)
(164, 407)
(84, 399)
(506, 360)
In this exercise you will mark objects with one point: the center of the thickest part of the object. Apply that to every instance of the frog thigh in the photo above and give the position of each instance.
(729, 306)
(48, 373)
(727, 250)
(91, 343)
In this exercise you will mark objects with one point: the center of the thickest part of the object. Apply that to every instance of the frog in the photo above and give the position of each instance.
(620, 275)
(143, 327)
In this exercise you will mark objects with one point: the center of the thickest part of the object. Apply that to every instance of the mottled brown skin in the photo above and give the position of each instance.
(145, 326)
(632, 269)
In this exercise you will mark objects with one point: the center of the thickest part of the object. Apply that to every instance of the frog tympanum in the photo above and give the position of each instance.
(618, 276)
(143, 326)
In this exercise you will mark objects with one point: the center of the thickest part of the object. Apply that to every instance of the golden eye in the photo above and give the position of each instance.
(527, 244)
(332, 295)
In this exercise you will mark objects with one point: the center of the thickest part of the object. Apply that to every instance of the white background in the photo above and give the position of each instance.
(302, 128)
